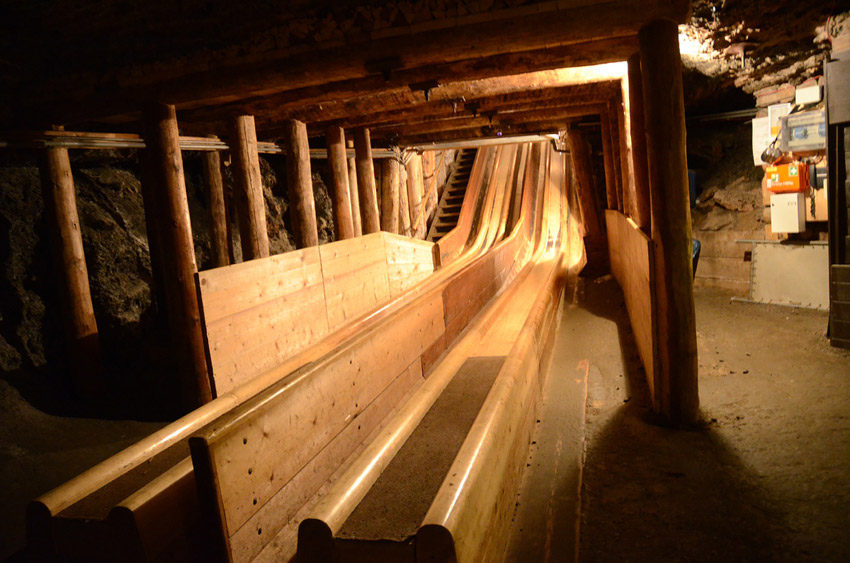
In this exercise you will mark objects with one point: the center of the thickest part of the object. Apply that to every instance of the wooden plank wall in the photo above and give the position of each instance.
(630, 251)
(274, 453)
(409, 261)
(259, 313)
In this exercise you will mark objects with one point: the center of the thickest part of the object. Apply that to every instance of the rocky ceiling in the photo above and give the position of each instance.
(735, 48)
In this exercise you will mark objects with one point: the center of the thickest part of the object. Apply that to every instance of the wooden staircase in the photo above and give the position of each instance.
(448, 210)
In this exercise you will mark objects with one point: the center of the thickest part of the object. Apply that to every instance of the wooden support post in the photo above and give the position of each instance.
(403, 202)
(343, 225)
(642, 212)
(66, 243)
(584, 176)
(353, 193)
(165, 174)
(415, 191)
(228, 207)
(661, 67)
(625, 154)
(389, 195)
(248, 184)
(614, 129)
(366, 182)
(299, 180)
(429, 170)
(608, 159)
(218, 213)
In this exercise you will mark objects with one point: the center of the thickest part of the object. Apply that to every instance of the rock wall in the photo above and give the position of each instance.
(729, 202)
(135, 353)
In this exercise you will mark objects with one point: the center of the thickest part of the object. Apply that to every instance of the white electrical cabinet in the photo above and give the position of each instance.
(788, 212)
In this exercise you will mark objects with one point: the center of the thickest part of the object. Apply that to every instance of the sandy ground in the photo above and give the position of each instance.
(766, 477)
(39, 452)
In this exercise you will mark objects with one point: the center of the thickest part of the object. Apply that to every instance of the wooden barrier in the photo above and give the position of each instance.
(126, 507)
(630, 251)
(259, 469)
(259, 313)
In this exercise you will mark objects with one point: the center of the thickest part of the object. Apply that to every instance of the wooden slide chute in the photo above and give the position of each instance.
(85, 518)
(269, 449)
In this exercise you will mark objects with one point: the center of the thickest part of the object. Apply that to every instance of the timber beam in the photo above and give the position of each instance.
(284, 60)
(460, 106)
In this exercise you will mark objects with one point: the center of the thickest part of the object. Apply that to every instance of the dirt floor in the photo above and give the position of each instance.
(766, 477)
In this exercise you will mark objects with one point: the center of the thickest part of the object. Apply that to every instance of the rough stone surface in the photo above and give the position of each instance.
(113, 225)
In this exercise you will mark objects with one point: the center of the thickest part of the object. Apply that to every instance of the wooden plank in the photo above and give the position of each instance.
(258, 455)
(630, 252)
(238, 287)
(261, 312)
(355, 278)
(249, 540)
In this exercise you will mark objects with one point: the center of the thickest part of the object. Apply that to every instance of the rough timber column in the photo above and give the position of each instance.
(299, 179)
(218, 214)
(625, 153)
(415, 191)
(339, 175)
(581, 164)
(641, 205)
(389, 195)
(614, 130)
(678, 398)
(355, 195)
(608, 159)
(248, 185)
(366, 182)
(403, 202)
(165, 174)
(66, 242)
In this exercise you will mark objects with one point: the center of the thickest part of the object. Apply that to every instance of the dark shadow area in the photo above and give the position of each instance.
(652, 493)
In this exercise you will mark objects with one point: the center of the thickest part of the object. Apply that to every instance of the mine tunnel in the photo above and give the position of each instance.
(424, 281)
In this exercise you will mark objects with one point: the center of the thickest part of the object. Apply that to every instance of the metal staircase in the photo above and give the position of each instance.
(448, 210)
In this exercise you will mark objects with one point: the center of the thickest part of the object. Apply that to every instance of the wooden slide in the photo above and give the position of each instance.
(336, 369)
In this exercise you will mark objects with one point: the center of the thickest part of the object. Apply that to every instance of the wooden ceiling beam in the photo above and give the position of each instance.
(471, 107)
(539, 127)
(450, 129)
(412, 54)
(498, 120)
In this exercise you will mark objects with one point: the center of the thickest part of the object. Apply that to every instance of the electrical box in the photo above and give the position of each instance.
(784, 178)
(788, 213)
(804, 131)
(808, 94)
